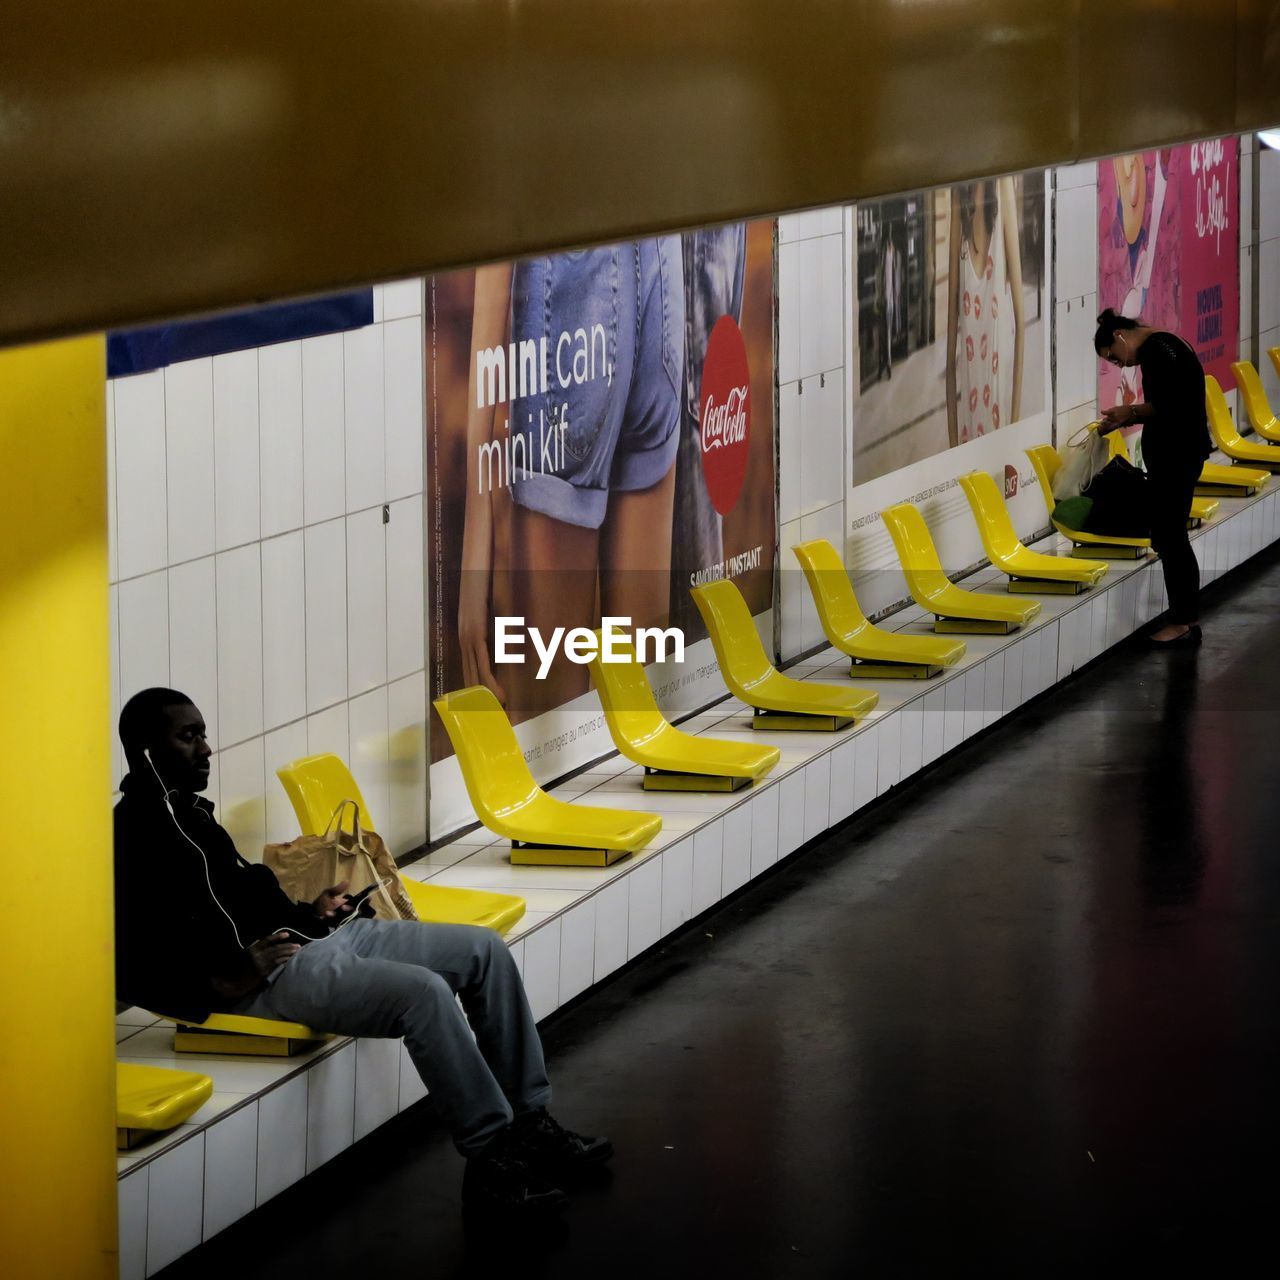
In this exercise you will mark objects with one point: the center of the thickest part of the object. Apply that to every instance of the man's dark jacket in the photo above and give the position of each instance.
(172, 939)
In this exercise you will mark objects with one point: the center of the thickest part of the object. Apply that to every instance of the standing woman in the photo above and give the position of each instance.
(1175, 444)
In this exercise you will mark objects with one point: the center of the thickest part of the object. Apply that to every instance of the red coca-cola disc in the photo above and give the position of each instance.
(724, 404)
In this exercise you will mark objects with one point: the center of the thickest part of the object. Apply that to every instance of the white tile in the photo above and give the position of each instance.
(911, 756)
(377, 1084)
(791, 813)
(113, 628)
(789, 301)
(994, 697)
(239, 587)
(141, 484)
(934, 724)
(644, 907)
(866, 767)
(735, 869)
(326, 613)
(577, 949)
(230, 1169)
(193, 638)
(243, 808)
(889, 753)
(611, 928)
(953, 717)
(1076, 175)
(329, 731)
(236, 448)
(1076, 241)
(188, 458)
(402, 370)
(366, 602)
(677, 885)
(975, 698)
(542, 969)
(280, 437)
(793, 593)
(790, 461)
(821, 272)
(1268, 287)
(708, 865)
(284, 635)
(826, 523)
(817, 797)
(175, 1198)
(406, 815)
(365, 433)
(131, 1216)
(280, 747)
(367, 731)
(406, 619)
(822, 443)
(764, 830)
(282, 1137)
(331, 1099)
(401, 298)
(843, 766)
(323, 445)
(113, 550)
(144, 633)
(411, 1087)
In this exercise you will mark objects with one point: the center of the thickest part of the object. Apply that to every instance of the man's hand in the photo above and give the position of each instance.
(329, 905)
(269, 953)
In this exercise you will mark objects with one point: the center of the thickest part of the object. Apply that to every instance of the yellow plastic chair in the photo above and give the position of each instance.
(1274, 353)
(542, 829)
(1202, 508)
(243, 1036)
(1256, 405)
(875, 653)
(317, 785)
(1045, 461)
(672, 759)
(779, 702)
(1227, 438)
(1217, 481)
(151, 1100)
(1028, 571)
(954, 608)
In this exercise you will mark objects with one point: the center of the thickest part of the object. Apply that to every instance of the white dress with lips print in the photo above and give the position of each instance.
(982, 384)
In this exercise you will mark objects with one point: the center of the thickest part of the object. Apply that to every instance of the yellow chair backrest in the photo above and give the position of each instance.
(1274, 353)
(493, 767)
(999, 538)
(316, 785)
(916, 550)
(742, 658)
(1255, 395)
(838, 607)
(1221, 426)
(1117, 446)
(626, 696)
(1045, 461)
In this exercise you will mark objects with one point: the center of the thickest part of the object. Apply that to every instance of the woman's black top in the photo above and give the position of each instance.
(1173, 384)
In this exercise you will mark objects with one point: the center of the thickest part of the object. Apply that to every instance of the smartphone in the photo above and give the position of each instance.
(358, 903)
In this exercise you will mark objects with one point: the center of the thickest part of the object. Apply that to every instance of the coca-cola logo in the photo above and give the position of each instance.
(724, 402)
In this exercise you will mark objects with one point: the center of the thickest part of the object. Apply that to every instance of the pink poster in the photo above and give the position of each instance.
(1168, 252)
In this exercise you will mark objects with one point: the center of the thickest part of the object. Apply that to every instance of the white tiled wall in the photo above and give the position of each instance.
(1075, 296)
(252, 566)
(1267, 248)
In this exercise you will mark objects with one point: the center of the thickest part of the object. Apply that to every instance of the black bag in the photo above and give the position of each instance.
(1120, 505)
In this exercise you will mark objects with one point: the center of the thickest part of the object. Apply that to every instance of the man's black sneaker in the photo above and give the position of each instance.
(501, 1179)
(553, 1150)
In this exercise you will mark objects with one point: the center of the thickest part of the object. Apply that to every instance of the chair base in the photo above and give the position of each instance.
(893, 670)
(128, 1139)
(802, 722)
(1045, 587)
(973, 626)
(1226, 490)
(1106, 551)
(547, 855)
(665, 780)
(1194, 522)
(1261, 464)
(198, 1040)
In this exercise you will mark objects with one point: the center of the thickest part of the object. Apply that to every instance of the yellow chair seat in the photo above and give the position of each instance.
(848, 628)
(643, 734)
(1232, 481)
(239, 1034)
(1227, 438)
(751, 677)
(316, 785)
(1256, 405)
(1201, 508)
(1045, 461)
(508, 800)
(933, 590)
(1005, 550)
(152, 1099)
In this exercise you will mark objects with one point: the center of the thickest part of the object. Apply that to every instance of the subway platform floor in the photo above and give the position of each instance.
(1020, 1018)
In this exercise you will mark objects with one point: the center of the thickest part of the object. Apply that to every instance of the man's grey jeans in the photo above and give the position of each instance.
(384, 978)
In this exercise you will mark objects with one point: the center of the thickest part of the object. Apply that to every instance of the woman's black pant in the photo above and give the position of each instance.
(1170, 489)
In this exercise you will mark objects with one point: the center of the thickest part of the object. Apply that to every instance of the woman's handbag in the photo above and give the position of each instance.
(309, 865)
(1083, 457)
(1120, 505)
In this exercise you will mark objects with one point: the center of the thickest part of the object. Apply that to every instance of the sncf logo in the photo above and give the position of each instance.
(1010, 481)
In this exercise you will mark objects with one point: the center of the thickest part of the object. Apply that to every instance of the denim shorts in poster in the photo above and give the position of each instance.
(565, 449)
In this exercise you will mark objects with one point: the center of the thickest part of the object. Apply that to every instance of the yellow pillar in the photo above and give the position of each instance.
(57, 1049)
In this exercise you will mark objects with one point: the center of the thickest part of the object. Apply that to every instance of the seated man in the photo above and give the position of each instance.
(198, 929)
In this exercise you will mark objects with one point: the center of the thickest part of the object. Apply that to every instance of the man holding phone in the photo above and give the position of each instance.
(199, 929)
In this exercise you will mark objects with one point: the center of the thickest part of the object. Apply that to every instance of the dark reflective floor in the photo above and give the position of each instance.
(1022, 1019)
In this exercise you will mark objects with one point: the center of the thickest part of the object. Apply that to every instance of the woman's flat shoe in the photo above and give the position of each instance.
(1189, 639)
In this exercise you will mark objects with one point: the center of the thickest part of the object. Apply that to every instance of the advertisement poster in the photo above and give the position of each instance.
(600, 437)
(950, 316)
(1168, 253)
